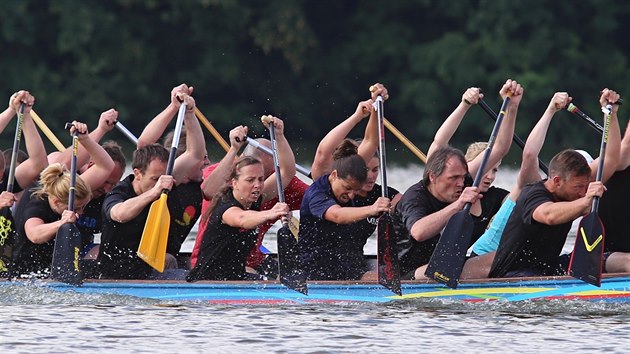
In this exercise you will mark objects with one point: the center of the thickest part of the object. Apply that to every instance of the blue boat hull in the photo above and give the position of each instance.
(615, 288)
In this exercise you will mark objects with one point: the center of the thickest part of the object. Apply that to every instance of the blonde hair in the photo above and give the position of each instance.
(54, 181)
(474, 150)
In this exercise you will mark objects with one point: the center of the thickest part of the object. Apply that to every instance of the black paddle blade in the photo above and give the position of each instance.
(7, 238)
(65, 262)
(446, 267)
(290, 269)
(586, 259)
(388, 268)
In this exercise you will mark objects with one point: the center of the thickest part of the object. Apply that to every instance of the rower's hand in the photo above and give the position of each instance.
(595, 189)
(280, 210)
(164, 182)
(559, 101)
(190, 103)
(7, 199)
(20, 97)
(108, 120)
(469, 195)
(472, 95)
(378, 89)
(238, 137)
(609, 97)
(181, 89)
(364, 109)
(69, 217)
(381, 205)
(277, 123)
(80, 128)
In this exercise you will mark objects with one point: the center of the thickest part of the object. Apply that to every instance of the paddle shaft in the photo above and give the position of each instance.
(73, 167)
(405, 141)
(176, 135)
(381, 145)
(127, 133)
(276, 164)
(211, 129)
(515, 137)
(573, 109)
(49, 134)
(16, 147)
(493, 137)
(602, 155)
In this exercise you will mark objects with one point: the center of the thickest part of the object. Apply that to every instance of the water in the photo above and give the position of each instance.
(37, 320)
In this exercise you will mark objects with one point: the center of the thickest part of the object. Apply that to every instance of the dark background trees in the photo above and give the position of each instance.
(311, 62)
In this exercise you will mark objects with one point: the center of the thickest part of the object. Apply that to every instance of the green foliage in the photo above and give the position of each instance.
(311, 62)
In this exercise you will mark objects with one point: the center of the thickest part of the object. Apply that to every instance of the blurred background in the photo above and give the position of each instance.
(311, 62)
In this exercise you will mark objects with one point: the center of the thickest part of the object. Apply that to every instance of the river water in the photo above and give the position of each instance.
(37, 320)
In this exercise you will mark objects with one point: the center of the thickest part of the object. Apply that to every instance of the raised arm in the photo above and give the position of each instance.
(189, 164)
(106, 123)
(156, 127)
(369, 144)
(611, 162)
(285, 157)
(504, 137)
(28, 171)
(213, 182)
(103, 165)
(529, 165)
(452, 122)
(322, 163)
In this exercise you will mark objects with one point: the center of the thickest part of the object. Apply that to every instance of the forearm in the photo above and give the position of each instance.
(130, 208)
(29, 170)
(195, 141)
(323, 156)
(561, 212)
(43, 233)
(369, 144)
(5, 118)
(348, 215)
(250, 219)
(612, 155)
(286, 160)
(448, 128)
(156, 127)
(432, 224)
(219, 176)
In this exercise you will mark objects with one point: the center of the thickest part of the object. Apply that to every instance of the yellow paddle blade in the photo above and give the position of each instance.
(152, 248)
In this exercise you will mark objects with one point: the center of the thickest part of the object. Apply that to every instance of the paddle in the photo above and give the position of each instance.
(152, 248)
(49, 134)
(7, 229)
(387, 255)
(290, 270)
(405, 141)
(212, 130)
(65, 261)
(573, 109)
(266, 150)
(127, 133)
(587, 257)
(447, 260)
(543, 167)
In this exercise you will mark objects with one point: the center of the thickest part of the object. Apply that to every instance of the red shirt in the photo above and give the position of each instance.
(293, 197)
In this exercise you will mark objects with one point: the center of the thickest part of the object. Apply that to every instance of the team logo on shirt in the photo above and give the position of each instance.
(372, 220)
(189, 215)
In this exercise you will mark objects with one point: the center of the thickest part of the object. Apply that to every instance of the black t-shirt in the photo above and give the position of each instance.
(184, 205)
(28, 256)
(119, 241)
(416, 203)
(613, 211)
(5, 179)
(490, 204)
(224, 249)
(527, 244)
(91, 221)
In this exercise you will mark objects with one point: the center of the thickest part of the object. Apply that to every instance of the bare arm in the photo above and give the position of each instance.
(452, 122)
(39, 232)
(129, 209)
(192, 158)
(28, 171)
(349, 215)
(221, 173)
(612, 155)
(371, 138)
(250, 219)
(322, 163)
(156, 127)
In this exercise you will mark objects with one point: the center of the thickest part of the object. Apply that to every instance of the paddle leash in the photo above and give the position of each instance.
(7, 224)
(587, 257)
(152, 248)
(447, 261)
(387, 256)
(66, 254)
(290, 269)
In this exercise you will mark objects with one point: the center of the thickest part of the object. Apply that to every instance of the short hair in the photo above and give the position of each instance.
(569, 163)
(437, 161)
(181, 144)
(143, 156)
(115, 152)
(54, 181)
(474, 150)
(348, 163)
